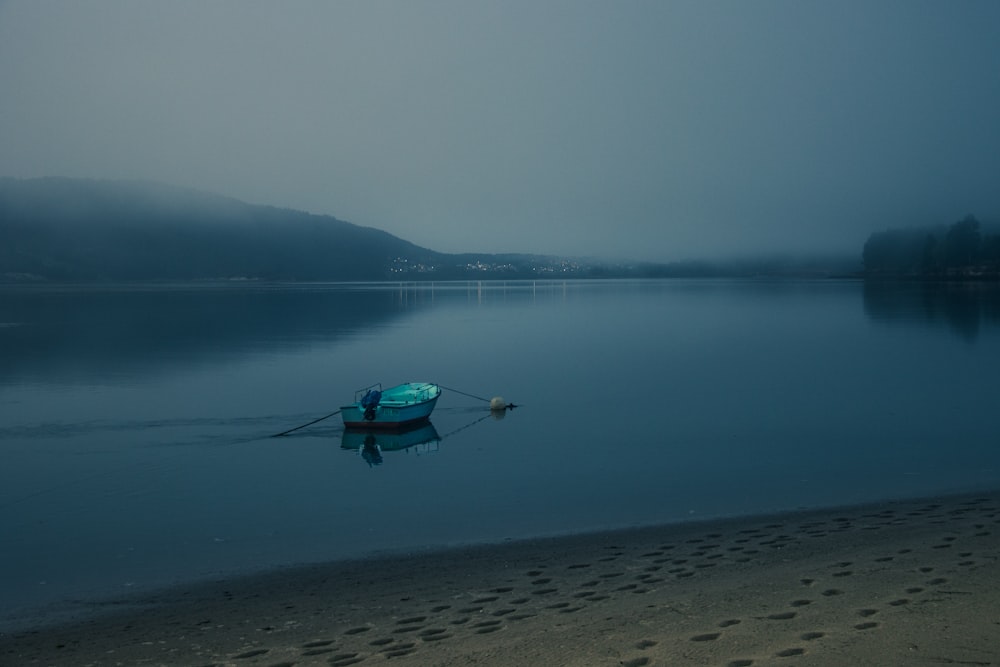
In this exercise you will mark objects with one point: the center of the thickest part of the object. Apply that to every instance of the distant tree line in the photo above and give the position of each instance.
(961, 250)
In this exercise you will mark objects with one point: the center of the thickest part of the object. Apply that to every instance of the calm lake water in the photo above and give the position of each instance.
(134, 422)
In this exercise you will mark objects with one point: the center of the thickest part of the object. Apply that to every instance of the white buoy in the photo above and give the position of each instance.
(497, 403)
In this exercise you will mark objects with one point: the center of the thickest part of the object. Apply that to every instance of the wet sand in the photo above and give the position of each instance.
(904, 583)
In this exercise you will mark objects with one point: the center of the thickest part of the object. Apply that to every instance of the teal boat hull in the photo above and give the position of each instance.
(400, 406)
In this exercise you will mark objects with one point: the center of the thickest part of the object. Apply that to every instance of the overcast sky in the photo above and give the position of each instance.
(649, 130)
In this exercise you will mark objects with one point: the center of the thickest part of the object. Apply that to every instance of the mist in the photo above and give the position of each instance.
(642, 130)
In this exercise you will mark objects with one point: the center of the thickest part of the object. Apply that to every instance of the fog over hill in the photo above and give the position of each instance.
(75, 230)
(80, 230)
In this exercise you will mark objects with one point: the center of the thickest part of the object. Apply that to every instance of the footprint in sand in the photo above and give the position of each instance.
(434, 634)
(812, 636)
(783, 616)
(411, 620)
(487, 627)
(344, 659)
(636, 662)
(397, 651)
(729, 622)
(790, 652)
(707, 637)
(250, 654)
(410, 624)
(866, 626)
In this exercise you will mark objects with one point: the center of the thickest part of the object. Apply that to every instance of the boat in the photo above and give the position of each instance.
(392, 408)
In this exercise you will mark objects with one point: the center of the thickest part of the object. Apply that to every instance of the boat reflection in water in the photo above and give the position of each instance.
(422, 439)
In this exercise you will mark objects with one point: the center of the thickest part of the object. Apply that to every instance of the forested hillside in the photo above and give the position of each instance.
(81, 230)
(965, 249)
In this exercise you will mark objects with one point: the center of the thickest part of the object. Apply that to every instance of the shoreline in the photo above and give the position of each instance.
(907, 581)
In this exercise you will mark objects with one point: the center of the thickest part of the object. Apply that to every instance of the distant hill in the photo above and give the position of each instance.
(82, 230)
(77, 230)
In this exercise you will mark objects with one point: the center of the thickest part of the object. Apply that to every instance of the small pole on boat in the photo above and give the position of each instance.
(278, 435)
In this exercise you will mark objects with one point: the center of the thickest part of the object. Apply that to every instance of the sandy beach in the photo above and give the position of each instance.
(902, 583)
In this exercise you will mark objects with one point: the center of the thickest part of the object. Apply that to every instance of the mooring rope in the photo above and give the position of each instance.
(462, 428)
(478, 398)
(278, 435)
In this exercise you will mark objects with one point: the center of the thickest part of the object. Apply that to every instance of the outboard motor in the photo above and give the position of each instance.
(370, 403)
